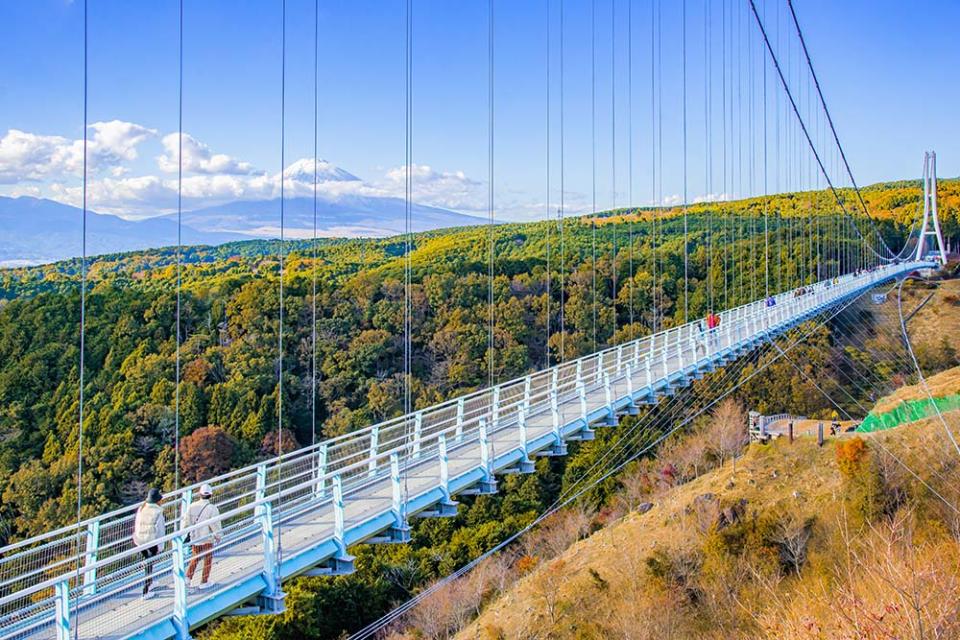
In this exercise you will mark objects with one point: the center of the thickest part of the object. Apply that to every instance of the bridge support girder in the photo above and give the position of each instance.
(339, 565)
(393, 535)
(555, 449)
(585, 435)
(524, 466)
(272, 604)
(443, 509)
(486, 487)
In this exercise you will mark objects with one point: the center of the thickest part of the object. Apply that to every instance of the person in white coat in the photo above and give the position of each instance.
(204, 537)
(149, 525)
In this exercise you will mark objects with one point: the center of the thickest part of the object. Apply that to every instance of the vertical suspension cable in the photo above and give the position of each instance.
(490, 192)
(766, 188)
(547, 212)
(653, 164)
(661, 230)
(632, 210)
(408, 241)
(811, 267)
(778, 187)
(751, 130)
(735, 95)
(313, 310)
(593, 161)
(563, 173)
(283, 135)
(686, 257)
(613, 142)
(708, 137)
(724, 222)
(176, 410)
(83, 316)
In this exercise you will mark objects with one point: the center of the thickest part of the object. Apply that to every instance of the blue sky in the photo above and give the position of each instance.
(886, 68)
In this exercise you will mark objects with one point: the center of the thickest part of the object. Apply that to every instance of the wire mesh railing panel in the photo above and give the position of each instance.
(30, 614)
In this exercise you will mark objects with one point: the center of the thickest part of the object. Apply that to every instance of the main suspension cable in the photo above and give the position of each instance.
(826, 111)
(806, 133)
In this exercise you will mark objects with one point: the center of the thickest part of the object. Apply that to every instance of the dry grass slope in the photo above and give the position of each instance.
(797, 562)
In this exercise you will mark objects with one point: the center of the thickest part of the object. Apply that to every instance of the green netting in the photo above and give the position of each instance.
(909, 411)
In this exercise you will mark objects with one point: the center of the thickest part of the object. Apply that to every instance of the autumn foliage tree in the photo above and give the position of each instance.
(272, 443)
(864, 493)
(206, 452)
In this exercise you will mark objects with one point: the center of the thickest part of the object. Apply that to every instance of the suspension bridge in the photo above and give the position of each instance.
(299, 513)
(349, 490)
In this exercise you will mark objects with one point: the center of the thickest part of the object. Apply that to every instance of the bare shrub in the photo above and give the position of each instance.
(445, 610)
(555, 534)
(650, 615)
(634, 490)
(791, 533)
(728, 430)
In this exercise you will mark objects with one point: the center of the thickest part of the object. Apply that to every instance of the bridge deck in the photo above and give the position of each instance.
(371, 480)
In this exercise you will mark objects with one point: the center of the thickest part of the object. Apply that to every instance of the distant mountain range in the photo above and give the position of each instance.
(37, 231)
(346, 216)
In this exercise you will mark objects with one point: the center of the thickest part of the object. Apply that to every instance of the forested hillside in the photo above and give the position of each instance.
(230, 312)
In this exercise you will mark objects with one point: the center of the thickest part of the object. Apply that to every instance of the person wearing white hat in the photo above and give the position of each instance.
(202, 539)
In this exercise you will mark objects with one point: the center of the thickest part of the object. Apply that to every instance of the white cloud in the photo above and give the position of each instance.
(712, 197)
(53, 162)
(450, 190)
(28, 156)
(31, 190)
(115, 142)
(199, 158)
(33, 157)
(142, 196)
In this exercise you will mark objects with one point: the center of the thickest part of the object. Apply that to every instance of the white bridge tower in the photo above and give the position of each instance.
(930, 208)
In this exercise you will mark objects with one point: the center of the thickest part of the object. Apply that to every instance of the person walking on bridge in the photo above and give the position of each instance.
(202, 539)
(149, 525)
(713, 322)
